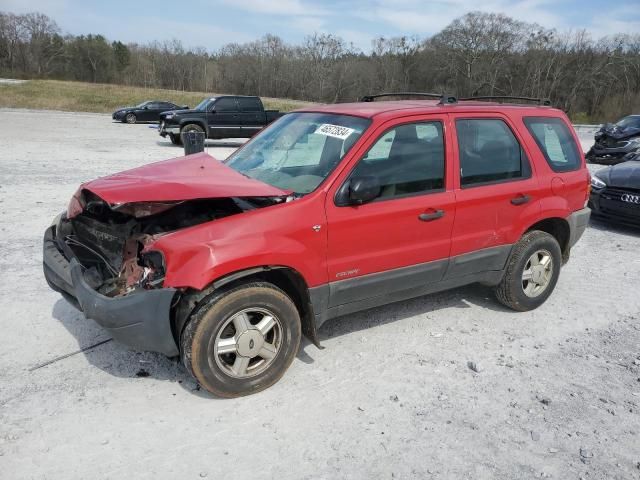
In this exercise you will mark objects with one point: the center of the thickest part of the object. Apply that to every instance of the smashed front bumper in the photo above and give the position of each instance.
(140, 319)
(618, 152)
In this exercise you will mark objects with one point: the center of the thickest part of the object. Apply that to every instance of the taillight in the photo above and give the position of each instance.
(586, 200)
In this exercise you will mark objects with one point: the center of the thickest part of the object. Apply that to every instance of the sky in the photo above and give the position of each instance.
(213, 23)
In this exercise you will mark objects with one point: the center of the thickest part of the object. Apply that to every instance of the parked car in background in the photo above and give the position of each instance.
(148, 111)
(615, 193)
(616, 142)
(228, 116)
(331, 210)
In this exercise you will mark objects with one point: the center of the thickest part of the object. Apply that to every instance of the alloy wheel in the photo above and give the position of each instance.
(247, 343)
(537, 273)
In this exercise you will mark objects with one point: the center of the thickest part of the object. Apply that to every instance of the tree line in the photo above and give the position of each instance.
(477, 54)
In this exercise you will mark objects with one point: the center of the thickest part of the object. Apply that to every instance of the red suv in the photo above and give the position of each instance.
(330, 210)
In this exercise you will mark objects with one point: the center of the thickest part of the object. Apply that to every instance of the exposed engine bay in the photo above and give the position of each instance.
(110, 240)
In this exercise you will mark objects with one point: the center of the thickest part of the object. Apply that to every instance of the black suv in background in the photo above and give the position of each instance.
(228, 116)
(148, 111)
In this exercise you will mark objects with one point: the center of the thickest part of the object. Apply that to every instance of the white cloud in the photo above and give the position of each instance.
(361, 40)
(429, 17)
(624, 19)
(307, 25)
(277, 7)
(357, 21)
(424, 18)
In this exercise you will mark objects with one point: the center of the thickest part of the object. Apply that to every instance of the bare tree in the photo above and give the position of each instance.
(478, 53)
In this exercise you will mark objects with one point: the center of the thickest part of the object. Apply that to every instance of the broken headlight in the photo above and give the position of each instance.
(76, 205)
(154, 269)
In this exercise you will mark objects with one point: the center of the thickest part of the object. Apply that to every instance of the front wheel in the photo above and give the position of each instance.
(532, 272)
(192, 127)
(241, 341)
(130, 118)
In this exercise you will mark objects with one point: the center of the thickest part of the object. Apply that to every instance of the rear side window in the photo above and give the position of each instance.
(226, 105)
(248, 104)
(489, 153)
(556, 142)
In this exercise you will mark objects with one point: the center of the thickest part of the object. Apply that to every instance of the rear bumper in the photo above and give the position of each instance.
(578, 222)
(140, 319)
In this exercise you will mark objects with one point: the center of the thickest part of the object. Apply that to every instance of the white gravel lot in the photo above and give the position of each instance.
(391, 396)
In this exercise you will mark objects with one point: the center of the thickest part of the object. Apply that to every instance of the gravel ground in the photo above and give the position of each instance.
(557, 394)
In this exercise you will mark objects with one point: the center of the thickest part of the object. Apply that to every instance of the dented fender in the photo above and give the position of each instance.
(197, 256)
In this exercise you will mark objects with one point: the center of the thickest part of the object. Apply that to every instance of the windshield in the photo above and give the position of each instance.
(202, 106)
(142, 104)
(299, 150)
(630, 121)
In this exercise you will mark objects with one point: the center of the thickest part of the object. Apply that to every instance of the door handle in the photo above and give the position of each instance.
(428, 217)
(520, 200)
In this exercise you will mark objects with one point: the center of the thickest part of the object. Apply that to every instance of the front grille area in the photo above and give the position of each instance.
(611, 203)
(617, 193)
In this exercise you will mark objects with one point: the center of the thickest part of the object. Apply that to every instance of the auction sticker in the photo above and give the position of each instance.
(335, 131)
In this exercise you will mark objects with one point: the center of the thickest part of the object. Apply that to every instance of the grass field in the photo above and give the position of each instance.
(103, 98)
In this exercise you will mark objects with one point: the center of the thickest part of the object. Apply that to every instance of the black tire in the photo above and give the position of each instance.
(511, 290)
(212, 317)
(191, 127)
(130, 118)
(175, 139)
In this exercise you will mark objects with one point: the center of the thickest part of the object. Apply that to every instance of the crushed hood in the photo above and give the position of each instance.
(616, 132)
(196, 176)
(623, 175)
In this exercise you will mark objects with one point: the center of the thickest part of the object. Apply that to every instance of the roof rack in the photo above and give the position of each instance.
(540, 101)
(448, 99)
(444, 98)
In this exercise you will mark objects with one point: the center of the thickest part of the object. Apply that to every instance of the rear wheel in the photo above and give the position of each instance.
(175, 139)
(241, 341)
(130, 118)
(532, 272)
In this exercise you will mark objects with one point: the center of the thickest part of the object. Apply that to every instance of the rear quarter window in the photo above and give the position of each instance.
(556, 142)
(249, 104)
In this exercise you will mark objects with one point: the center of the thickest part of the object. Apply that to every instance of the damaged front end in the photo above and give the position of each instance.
(100, 256)
(616, 143)
(113, 242)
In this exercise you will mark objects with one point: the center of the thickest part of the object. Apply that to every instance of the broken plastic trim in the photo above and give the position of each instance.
(115, 243)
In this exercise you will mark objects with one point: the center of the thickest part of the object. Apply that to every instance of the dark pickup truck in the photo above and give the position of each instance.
(228, 116)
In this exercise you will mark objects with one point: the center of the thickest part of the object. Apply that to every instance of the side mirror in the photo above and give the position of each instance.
(363, 190)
